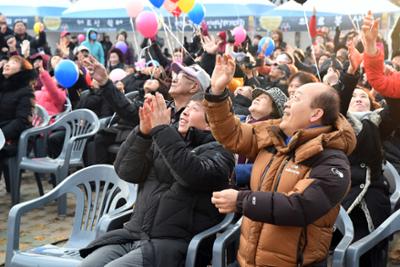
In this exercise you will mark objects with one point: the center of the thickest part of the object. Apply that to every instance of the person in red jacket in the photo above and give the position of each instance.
(386, 84)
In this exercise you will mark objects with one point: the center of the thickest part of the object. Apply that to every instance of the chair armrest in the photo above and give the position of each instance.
(16, 212)
(110, 222)
(358, 248)
(197, 239)
(229, 236)
(104, 122)
(24, 138)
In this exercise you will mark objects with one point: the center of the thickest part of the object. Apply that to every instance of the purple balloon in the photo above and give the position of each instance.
(122, 47)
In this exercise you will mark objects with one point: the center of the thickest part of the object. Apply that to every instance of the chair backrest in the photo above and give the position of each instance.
(40, 117)
(77, 124)
(345, 226)
(393, 178)
(132, 95)
(98, 191)
(67, 109)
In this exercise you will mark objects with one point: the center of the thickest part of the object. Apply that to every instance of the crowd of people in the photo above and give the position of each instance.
(214, 127)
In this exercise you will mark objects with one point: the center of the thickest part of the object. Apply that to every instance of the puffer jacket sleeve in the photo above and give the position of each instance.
(133, 160)
(23, 116)
(347, 86)
(390, 118)
(58, 96)
(207, 171)
(238, 137)
(386, 85)
(120, 104)
(310, 199)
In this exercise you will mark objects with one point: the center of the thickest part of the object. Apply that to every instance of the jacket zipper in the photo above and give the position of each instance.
(265, 172)
(280, 174)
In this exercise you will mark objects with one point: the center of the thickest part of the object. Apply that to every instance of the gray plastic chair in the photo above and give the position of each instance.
(99, 194)
(393, 178)
(197, 239)
(40, 117)
(345, 226)
(360, 247)
(79, 125)
(230, 239)
(67, 109)
(2, 139)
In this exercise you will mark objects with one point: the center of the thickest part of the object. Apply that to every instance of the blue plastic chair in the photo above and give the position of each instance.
(79, 125)
(102, 198)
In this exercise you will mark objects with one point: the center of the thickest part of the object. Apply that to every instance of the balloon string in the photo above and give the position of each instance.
(134, 36)
(183, 29)
(357, 28)
(179, 43)
(312, 48)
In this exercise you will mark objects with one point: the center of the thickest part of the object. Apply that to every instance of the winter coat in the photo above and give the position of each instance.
(51, 97)
(95, 47)
(96, 103)
(387, 85)
(37, 44)
(296, 189)
(173, 200)
(16, 104)
(367, 158)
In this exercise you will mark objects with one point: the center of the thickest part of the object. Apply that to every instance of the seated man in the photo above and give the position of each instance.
(177, 171)
(299, 177)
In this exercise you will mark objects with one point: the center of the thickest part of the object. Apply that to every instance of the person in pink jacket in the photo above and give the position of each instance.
(387, 84)
(50, 96)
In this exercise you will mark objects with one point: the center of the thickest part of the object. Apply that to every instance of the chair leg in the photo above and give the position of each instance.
(15, 180)
(39, 183)
(62, 201)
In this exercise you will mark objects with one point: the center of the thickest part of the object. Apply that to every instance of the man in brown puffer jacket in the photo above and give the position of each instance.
(299, 177)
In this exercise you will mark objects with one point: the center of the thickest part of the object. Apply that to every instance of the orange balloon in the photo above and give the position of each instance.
(235, 83)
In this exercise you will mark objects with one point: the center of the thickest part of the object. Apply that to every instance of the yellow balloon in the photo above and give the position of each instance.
(36, 27)
(186, 5)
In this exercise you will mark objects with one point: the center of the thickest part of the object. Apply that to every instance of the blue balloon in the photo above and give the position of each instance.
(196, 15)
(270, 46)
(66, 73)
(157, 3)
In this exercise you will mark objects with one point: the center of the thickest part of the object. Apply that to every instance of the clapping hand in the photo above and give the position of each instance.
(153, 113)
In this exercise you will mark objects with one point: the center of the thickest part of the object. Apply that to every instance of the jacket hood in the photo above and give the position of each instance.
(18, 80)
(88, 32)
(309, 142)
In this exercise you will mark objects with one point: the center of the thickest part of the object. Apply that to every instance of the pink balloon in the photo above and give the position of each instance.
(81, 38)
(134, 7)
(240, 35)
(117, 75)
(147, 24)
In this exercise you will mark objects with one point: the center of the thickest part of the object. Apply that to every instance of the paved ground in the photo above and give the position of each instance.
(38, 227)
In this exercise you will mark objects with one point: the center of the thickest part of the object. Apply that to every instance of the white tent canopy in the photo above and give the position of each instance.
(214, 8)
(15, 8)
(352, 7)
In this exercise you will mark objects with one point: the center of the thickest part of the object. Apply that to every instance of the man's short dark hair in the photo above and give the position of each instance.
(329, 102)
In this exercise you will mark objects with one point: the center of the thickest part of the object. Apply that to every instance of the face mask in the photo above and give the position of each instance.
(93, 36)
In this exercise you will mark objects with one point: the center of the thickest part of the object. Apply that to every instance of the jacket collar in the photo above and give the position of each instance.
(306, 143)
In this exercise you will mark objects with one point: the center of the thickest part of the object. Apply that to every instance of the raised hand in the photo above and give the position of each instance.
(223, 73)
(210, 45)
(12, 44)
(369, 34)
(97, 71)
(355, 57)
(26, 48)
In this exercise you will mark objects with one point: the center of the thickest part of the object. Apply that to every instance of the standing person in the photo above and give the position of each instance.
(107, 45)
(4, 31)
(129, 55)
(36, 44)
(299, 177)
(16, 102)
(65, 47)
(173, 201)
(94, 46)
